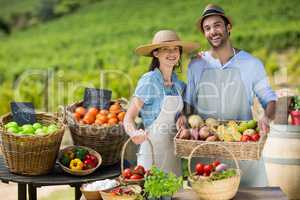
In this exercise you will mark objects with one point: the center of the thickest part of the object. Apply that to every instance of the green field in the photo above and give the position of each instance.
(100, 38)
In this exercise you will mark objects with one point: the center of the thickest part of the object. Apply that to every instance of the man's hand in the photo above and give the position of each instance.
(139, 136)
(181, 122)
(264, 124)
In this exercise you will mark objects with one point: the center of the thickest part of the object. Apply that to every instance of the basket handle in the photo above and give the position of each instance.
(124, 148)
(205, 144)
(62, 114)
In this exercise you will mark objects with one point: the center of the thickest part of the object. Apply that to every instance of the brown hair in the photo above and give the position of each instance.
(155, 62)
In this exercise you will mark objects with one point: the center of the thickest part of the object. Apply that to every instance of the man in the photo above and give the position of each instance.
(223, 82)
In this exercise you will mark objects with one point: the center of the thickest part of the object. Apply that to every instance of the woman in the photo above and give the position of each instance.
(157, 99)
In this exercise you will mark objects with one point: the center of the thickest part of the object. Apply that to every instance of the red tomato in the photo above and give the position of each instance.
(199, 169)
(136, 176)
(255, 137)
(206, 174)
(216, 163)
(207, 169)
(127, 173)
(245, 138)
(139, 170)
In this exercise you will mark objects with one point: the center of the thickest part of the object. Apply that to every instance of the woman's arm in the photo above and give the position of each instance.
(137, 136)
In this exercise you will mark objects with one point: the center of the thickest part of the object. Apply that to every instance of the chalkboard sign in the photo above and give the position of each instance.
(99, 98)
(23, 112)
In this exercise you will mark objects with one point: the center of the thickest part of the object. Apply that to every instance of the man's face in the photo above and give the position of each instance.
(215, 30)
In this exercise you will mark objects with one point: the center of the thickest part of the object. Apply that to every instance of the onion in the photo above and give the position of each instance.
(185, 134)
(211, 138)
(194, 133)
(195, 121)
(221, 167)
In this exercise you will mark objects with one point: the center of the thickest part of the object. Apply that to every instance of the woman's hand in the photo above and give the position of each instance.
(139, 136)
(264, 124)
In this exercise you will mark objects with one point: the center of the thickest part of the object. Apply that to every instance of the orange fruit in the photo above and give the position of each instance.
(111, 115)
(98, 122)
(103, 112)
(102, 118)
(81, 110)
(121, 116)
(89, 119)
(93, 111)
(112, 121)
(77, 116)
(115, 107)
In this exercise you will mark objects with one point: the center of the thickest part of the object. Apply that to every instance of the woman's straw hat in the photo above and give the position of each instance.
(165, 38)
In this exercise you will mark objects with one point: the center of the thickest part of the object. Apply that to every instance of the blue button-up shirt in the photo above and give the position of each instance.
(252, 73)
(151, 90)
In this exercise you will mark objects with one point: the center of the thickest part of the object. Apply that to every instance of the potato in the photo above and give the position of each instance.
(204, 132)
(211, 138)
(185, 134)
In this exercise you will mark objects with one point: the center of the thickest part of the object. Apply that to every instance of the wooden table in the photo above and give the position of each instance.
(260, 193)
(56, 177)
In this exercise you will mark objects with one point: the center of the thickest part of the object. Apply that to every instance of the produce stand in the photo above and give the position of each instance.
(55, 177)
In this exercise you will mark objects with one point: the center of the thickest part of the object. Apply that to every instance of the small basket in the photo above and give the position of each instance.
(139, 182)
(79, 172)
(31, 155)
(241, 150)
(107, 141)
(224, 189)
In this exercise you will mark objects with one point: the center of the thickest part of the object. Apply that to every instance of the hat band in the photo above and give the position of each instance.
(210, 11)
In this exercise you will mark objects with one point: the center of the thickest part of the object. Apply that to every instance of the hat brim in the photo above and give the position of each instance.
(200, 20)
(146, 50)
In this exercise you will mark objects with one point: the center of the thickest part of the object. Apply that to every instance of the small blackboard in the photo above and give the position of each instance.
(99, 98)
(23, 112)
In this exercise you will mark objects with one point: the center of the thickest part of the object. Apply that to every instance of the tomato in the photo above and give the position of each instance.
(77, 116)
(80, 110)
(207, 169)
(93, 111)
(121, 116)
(245, 138)
(136, 176)
(216, 163)
(206, 174)
(255, 137)
(127, 173)
(199, 169)
(139, 170)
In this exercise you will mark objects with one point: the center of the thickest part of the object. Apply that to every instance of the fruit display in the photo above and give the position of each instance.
(78, 159)
(31, 129)
(213, 130)
(102, 117)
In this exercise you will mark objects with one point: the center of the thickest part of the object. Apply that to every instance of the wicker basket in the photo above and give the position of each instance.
(139, 182)
(224, 189)
(31, 155)
(79, 172)
(241, 150)
(107, 141)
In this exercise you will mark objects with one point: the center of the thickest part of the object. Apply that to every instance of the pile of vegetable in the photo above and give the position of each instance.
(213, 171)
(213, 130)
(78, 159)
(30, 129)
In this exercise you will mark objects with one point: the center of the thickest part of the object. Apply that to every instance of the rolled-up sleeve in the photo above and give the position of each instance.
(261, 86)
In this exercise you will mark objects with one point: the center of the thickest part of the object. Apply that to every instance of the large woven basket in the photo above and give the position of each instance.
(31, 155)
(107, 141)
(241, 150)
(128, 181)
(224, 189)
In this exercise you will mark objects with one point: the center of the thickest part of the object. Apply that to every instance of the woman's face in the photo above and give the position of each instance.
(168, 56)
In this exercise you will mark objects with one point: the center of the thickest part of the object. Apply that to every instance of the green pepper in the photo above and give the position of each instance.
(70, 154)
(80, 153)
(65, 160)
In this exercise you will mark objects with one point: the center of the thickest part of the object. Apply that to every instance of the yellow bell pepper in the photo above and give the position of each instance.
(76, 164)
